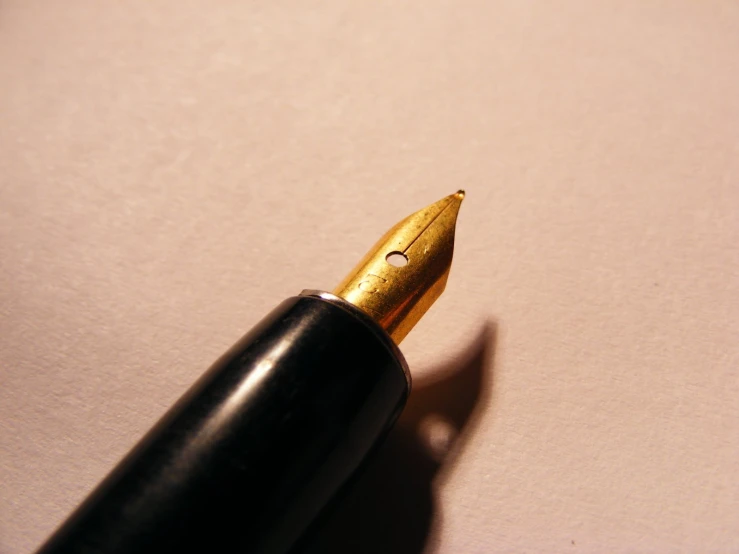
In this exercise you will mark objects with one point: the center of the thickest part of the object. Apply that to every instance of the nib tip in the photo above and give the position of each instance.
(459, 194)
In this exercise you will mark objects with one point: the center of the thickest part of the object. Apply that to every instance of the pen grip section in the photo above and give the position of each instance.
(252, 453)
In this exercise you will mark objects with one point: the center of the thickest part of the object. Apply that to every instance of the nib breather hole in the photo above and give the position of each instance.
(397, 259)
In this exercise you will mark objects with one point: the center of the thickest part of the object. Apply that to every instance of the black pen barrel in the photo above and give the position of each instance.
(253, 452)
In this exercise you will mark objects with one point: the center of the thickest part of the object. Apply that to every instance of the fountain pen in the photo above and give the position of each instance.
(258, 447)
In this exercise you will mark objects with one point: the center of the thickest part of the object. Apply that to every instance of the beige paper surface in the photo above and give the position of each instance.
(169, 171)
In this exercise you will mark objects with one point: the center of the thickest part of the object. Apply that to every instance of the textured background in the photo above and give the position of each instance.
(171, 170)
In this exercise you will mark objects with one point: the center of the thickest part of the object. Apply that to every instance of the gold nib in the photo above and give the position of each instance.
(406, 271)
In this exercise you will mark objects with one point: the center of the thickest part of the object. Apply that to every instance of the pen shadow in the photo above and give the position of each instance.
(392, 508)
